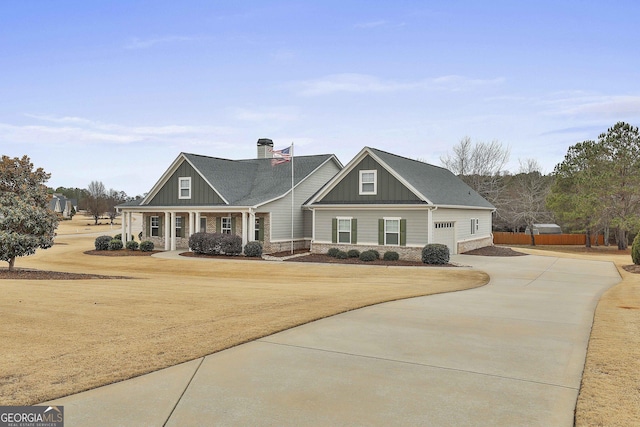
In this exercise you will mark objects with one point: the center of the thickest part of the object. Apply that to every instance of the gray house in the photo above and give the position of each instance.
(388, 202)
(251, 198)
(63, 206)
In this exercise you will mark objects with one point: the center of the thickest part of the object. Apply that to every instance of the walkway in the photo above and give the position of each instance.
(508, 354)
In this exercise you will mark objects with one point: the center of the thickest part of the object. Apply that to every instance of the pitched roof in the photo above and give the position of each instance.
(439, 185)
(433, 184)
(249, 182)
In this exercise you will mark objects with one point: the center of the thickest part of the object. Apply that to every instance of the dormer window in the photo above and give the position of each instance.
(368, 182)
(184, 187)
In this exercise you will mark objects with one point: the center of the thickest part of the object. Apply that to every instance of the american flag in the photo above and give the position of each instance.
(280, 156)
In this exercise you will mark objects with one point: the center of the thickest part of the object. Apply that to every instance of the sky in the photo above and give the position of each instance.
(113, 91)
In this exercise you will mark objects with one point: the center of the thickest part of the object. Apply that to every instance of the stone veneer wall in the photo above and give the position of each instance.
(408, 253)
(469, 245)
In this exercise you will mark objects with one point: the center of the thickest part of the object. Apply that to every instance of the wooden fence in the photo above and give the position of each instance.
(500, 238)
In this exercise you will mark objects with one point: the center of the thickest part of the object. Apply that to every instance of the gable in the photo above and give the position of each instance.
(201, 191)
(389, 188)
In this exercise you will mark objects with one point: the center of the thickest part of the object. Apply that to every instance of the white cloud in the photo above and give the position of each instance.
(365, 83)
(138, 43)
(609, 106)
(371, 24)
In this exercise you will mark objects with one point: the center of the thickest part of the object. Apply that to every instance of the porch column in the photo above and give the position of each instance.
(123, 232)
(244, 228)
(128, 227)
(252, 226)
(429, 226)
(197, 222)
(192, 225)
(167, 231)
(173, 231)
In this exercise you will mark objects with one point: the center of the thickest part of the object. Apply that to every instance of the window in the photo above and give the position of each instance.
(155, 226)
(344, 230)
(475, 225)
(256, 229)
(203, 224)
(368, 182)
(184, 188)
(179, 226)
(392, 231)
(448, 224)
(226, 225)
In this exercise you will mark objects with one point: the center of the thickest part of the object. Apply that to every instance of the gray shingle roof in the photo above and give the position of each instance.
(251, 182)
(437, 184)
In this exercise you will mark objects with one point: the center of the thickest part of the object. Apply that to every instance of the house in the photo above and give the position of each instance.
(63, 206)
(251, 198)
(387, 202)
(544, 229)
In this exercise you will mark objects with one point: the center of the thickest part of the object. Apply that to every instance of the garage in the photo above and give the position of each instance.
(445, 232)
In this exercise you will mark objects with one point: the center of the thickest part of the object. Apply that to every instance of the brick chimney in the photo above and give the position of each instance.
(265, 145)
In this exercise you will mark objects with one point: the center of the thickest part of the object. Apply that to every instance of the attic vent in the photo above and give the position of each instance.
(264, 146)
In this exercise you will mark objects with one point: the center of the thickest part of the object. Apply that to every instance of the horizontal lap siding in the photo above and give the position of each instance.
(462, 219)
(417, 227)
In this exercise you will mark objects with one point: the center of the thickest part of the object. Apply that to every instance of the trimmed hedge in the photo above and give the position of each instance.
(435, 253)
(146, 246)
(376, 253)
(115, 245)
(635, 249)
(102, 243)
(341, 255)
(132, 246)
(253, 249)
(391, 256)
(353, 253)
(119, 237)
(368, 256)
(333, 252)
(215, 244)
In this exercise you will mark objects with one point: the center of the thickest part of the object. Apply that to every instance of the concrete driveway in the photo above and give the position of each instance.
(508, 354)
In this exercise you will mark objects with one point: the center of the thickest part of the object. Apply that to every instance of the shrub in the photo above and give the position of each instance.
(435, 253)
(253, 249)
(230, 244)
(391, 256)
(119, 237)
(368, 256)
(146, 246)
(635, 250)
(333, 252)
(196, 242)
(353, 253)
(341, 255)
(376, 253)
(131, 245)
(115, 245)
(102, 243)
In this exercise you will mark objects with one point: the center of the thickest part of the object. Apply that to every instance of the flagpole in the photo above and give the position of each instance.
(292, 199)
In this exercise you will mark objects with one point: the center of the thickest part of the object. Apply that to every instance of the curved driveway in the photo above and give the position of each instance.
(507, 354)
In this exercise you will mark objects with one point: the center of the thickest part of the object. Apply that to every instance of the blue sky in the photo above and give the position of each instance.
(115, 90)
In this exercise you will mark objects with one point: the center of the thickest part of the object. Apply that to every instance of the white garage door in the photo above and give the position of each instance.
(445, 233)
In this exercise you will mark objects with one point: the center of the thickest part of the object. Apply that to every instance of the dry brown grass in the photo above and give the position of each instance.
(65, 336)
(610, 391)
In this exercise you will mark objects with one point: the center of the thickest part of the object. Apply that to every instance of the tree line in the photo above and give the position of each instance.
(594, 190)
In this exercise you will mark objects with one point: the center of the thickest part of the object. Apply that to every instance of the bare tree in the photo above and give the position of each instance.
(96, 200)
(480, 165)
(114, 198)
(531, 187)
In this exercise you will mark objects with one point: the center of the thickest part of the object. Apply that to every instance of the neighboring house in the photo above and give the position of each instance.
(251, 198)
(544, 229)
(63, 206)
(388, 202)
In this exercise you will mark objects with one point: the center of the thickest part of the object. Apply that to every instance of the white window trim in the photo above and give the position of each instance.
(256, 229)
(179, 225)
(223, 228)
(156, 227)
(475, 225)
(385, 230)
(338, 228)
(375, 183)
(202, 219)
(180, 188)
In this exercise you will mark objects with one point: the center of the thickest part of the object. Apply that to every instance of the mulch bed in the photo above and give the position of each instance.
(195, 255)
(633, 268)
(121, 252)
(30, 274)
(322, 258)
(495, 251)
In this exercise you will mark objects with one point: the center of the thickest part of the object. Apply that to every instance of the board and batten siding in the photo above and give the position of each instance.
(389, 189)
(201, 193)
(281, 209)
(462, 219)
(367, 220)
